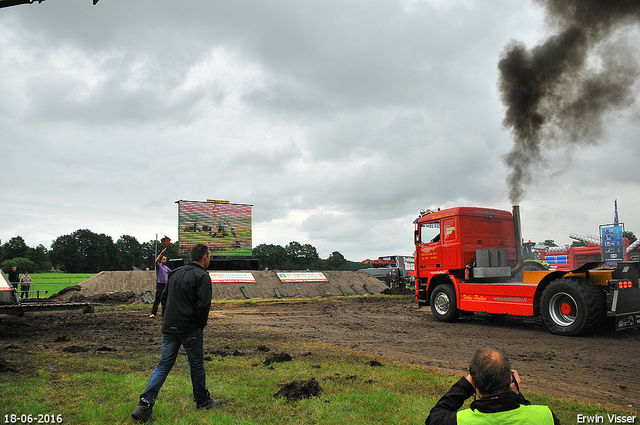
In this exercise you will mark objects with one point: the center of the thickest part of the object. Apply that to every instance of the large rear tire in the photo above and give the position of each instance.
(443, 303)
(572, 306)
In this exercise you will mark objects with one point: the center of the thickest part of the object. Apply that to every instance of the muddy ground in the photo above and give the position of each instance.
(601, 368)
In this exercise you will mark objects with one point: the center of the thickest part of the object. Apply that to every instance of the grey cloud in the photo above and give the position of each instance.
(356, 114)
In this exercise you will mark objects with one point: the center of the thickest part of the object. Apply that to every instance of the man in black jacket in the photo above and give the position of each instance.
(14, 277)
(500, 400)
(187, 301)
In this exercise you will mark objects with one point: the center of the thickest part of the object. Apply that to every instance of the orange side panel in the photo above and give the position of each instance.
(599, 277)
(499, 298)
(535, 276)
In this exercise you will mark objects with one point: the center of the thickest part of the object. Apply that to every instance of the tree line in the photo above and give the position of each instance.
(84, 251)
(297, 256)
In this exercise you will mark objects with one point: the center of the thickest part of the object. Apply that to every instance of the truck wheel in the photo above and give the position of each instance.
(443, 303)
(572, 306)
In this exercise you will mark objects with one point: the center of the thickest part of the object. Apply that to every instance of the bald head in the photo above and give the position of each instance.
(490, 370)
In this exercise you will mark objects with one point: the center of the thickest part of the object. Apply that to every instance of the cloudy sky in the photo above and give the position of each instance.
(338, 120)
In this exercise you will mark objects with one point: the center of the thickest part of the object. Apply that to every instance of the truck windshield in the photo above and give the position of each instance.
(430, 232)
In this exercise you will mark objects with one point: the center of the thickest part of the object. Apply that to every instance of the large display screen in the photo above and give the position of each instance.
(224, 227)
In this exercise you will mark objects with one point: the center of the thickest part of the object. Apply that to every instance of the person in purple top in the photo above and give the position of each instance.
(162, 273)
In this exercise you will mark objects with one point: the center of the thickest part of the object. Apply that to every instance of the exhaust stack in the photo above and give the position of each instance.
(517, 227)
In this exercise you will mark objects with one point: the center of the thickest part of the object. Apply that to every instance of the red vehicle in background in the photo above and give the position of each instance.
(569, 258)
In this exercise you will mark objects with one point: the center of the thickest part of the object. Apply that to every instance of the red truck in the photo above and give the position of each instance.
(466, 260)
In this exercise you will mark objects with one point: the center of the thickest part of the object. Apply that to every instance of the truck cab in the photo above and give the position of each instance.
(463, 242)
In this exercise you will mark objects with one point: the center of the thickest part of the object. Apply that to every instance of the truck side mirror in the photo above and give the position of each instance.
(417, 237)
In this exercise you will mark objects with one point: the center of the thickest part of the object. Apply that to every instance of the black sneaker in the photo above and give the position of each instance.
(143, 412)
(208, 404)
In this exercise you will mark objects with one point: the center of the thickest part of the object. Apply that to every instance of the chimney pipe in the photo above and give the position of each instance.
(518, 236)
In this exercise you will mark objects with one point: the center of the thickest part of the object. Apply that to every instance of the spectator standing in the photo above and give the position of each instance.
(162, 275)
(25, 285)
(500, 400)
(393, 278)
(187, 301)
(14, 277)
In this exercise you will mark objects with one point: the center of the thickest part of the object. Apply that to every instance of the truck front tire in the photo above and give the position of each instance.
(443, 303)
(572, 306)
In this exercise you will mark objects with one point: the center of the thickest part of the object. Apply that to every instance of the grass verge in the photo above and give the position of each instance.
(103, 388)
(52, 283)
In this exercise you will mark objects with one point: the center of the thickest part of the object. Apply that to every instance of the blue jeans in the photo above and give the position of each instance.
(194, 346)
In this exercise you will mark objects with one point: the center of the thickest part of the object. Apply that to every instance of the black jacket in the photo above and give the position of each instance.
(14, 276)
(445, 410)
(186, 299)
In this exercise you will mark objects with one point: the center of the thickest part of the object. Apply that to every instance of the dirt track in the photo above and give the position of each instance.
(602, 368)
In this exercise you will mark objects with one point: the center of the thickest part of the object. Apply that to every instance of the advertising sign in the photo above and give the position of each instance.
(612, 244)
(302, 277)
(224, 227)
(227, 277)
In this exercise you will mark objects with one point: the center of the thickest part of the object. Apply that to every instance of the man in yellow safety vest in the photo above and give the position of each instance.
(499, 398)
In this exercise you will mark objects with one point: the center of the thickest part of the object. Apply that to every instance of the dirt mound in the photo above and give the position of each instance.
(123, 287)
(113, 298)
(399, 291)
(277, 358)
(5, 366)
(297, 390)
(66, 290)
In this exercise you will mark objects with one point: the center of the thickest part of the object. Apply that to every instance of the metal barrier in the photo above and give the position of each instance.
(38, 290)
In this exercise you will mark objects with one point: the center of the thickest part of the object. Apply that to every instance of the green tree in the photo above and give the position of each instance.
(98, 251)
(173, 251)
(270, 256)
(579, 243)
(294, 255)
(336, 260)
(65, 254)
(84, 252)
(630, 235)
(352, 266)
(22, 264)
(39, 256)
(129, 252)
(148, 254)
(548, 242)
(310, 256)
(151, 249)
(15, 247)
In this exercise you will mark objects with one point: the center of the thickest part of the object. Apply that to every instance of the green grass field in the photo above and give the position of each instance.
(103, 388)
(51, 283)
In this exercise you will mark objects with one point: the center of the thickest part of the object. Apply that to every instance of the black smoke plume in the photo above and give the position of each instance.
(559, 92)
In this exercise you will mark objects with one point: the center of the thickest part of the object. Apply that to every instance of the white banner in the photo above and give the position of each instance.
(219, 277)
(302, 277)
